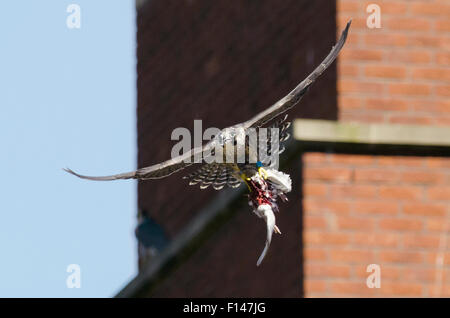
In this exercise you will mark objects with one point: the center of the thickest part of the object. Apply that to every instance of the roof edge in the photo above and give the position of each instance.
(140, 3)
(190, 232)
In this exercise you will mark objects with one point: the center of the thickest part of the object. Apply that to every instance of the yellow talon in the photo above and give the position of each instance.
(263, 173)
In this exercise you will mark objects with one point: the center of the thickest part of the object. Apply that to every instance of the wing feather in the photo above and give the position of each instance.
(156, 171)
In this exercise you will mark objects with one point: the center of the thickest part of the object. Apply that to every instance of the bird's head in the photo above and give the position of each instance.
(227, 136)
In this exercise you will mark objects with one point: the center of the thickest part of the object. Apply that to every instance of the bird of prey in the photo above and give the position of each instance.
(247, 159)
(219, 174)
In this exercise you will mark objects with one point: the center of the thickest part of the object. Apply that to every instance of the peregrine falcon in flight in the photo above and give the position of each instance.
(231, 173)
(248, 161)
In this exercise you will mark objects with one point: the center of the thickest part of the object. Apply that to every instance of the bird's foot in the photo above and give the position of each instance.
(262, 173)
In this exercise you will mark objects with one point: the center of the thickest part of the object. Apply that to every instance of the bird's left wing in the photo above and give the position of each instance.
(297, 93)
(159, 170)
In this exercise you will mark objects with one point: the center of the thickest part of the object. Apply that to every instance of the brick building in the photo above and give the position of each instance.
(370, 160)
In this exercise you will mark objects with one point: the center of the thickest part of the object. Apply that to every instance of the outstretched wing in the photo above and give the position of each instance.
(297, 93)
(157, 171)
(168, 167)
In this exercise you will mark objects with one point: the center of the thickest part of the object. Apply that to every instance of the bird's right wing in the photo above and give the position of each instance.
(156, 171)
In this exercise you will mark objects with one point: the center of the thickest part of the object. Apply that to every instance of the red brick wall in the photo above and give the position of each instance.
(391, 211)
(399, 73)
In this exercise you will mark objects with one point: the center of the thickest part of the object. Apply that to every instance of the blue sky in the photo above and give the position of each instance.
(67, 100)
